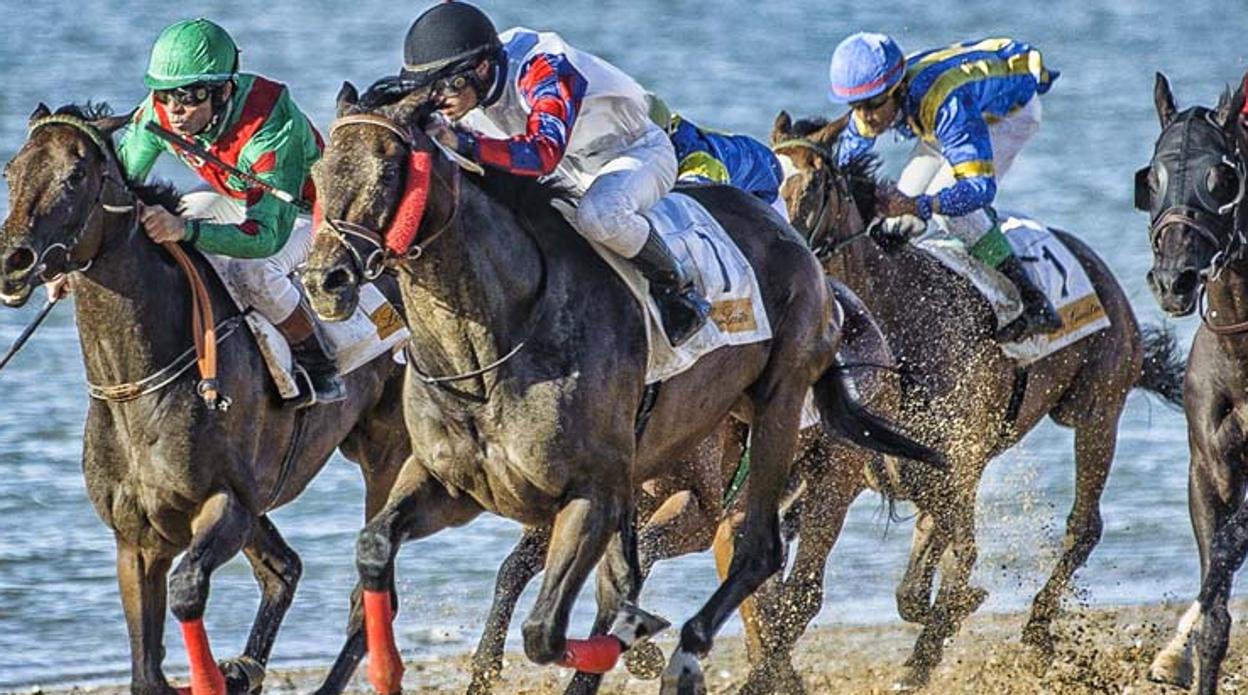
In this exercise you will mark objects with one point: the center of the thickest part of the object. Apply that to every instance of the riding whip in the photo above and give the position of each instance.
(29, 331)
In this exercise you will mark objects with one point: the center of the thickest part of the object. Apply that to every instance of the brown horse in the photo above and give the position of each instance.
(164, 471)
(539, 353)
(1193, 188)
(963, 395)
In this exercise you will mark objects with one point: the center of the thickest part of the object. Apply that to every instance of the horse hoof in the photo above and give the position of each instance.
(243, 674)
(1171, 668)
(645, 661)
(683, 676)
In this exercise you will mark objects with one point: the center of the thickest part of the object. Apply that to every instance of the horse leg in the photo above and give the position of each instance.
(582, 531)
(375, 451)
(419, 506)
(914, 592)
(1230, 546)
(277, 569)
(1209, 508)
(141, 579)
(1094, 454)
(760, 551)
(517, 570)
(219, 531)
(955, 599)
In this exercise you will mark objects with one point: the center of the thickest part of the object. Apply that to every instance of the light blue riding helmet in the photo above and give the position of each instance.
(864, 65)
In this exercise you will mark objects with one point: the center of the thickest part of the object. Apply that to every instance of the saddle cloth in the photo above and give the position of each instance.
(1051, 267)
(375, 328)
(721, 273)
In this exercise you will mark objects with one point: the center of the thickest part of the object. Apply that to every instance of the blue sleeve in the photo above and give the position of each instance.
(852, 144)
(964, 142)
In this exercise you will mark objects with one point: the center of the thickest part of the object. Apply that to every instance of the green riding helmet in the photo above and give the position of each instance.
(189, 52)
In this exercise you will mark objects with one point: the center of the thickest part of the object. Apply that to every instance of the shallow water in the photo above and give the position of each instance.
(730, 65)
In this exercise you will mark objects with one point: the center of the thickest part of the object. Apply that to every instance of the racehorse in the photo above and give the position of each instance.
(1193, 188)
(527, 375)
(963, 395)
(164, 470)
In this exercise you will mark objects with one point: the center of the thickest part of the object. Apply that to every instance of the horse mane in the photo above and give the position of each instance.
(162, 193)
(862, 173)
(90, 111)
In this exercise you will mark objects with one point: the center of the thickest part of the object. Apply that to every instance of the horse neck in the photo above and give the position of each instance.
(1227, 298)
(471, 296)
(130, 307)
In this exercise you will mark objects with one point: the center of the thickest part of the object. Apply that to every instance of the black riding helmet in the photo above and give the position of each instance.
(448, 38)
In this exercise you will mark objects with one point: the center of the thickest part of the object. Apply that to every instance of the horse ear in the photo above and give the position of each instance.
(828, 135)
(1163, 99)
(781, 128)
(110, 124)
(41, 111)
(347, 97)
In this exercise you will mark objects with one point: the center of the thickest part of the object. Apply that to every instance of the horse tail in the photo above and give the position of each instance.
(844, 416)
(1164, 365)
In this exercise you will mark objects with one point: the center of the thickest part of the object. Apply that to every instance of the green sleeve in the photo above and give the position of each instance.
(139, 149)
(281, 154)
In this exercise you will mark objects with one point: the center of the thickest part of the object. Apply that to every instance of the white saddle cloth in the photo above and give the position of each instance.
(375, 328)
(1051, 267)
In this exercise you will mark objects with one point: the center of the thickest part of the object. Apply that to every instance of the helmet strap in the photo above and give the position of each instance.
(489, 93)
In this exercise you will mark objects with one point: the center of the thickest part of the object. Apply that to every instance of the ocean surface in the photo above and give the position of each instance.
(729, 65)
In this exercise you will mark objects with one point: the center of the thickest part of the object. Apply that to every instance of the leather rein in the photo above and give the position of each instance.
(206, 333)
(831, 185)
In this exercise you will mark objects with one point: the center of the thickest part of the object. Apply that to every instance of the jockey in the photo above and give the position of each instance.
(972, 106)
(708, 156)
(530, 104)
(252, 124)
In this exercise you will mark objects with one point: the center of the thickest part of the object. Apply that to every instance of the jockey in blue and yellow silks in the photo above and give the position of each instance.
(711, 156)
(972, 106)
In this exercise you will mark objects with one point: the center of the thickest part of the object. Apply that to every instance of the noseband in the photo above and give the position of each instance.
(378, 256)
(831, 184)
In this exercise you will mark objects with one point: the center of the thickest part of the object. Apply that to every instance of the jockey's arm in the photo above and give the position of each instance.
(967, 147)
(554, 90)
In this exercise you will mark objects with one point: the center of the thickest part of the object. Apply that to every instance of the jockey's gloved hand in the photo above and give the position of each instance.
(891, 233)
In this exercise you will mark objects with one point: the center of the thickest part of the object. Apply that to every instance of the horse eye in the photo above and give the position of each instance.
(1221, 182)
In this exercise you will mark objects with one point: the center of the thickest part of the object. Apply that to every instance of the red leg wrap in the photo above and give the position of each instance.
(206, 678)
(385, 666)
(594, 655)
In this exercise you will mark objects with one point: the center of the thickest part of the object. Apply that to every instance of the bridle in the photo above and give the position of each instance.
(377, 257)
(111, 176)
(830, 185)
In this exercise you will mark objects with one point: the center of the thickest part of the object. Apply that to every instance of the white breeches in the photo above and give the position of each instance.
(609, 212)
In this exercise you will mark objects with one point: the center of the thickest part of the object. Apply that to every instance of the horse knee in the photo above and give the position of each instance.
(543, 643)
(188, 593)
(373, 553)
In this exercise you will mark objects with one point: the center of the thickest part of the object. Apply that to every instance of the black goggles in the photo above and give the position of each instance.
(191, 95)
(453, 85)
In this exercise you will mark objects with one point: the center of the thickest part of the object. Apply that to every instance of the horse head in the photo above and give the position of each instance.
(384, 190)
(1191, 189)
(824, 202)
(57, 195)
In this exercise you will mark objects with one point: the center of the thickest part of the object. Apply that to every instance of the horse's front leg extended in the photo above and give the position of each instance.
(277, 569)
(517, 570)
(219, 531)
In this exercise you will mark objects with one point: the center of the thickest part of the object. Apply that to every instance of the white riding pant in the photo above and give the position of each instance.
(609, 212)
(264, 284)
(928, 171)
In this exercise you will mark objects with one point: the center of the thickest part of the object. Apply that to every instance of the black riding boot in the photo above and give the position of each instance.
(682, 310)
(309, 350)
(1038, 318)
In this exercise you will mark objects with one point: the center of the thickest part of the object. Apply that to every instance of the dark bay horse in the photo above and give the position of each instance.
(1193, 189)
(163, 471)
(965, 397)
(696, 507)
(527, 374)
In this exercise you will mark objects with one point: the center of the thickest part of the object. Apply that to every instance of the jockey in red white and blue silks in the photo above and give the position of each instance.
(972, 106)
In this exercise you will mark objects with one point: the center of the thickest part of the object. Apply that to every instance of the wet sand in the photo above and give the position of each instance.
(1099, 650)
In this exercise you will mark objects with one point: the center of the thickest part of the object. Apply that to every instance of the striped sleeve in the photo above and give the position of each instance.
(852, 144)
(965, 144)
(554, 90)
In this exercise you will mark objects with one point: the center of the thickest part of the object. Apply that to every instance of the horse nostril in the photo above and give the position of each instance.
(338, 279)
(1186, 282)
(19, 261)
